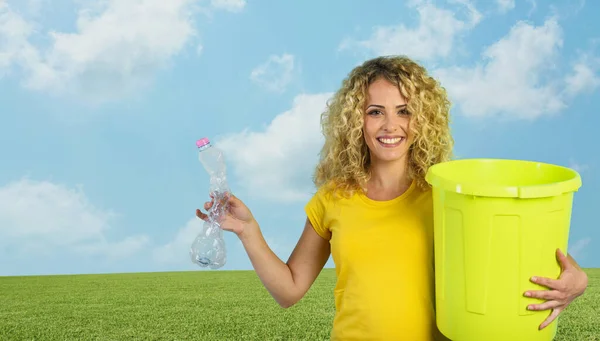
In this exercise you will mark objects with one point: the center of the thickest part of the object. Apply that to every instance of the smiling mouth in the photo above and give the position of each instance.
(390, 141)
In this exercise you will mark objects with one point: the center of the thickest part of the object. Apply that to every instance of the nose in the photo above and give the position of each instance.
(390, 123)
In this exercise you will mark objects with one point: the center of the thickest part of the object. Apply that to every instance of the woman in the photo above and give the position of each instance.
(373, 210)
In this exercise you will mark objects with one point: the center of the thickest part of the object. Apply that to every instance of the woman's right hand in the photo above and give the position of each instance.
(237, 217)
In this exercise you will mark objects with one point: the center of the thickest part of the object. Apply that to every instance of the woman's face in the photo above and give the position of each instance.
(386, 123)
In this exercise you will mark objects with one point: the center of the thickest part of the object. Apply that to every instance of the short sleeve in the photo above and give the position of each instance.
(316, 210)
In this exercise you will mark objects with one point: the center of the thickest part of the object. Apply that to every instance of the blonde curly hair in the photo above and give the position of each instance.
(344, 158)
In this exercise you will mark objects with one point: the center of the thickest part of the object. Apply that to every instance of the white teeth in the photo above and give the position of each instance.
(391, 141)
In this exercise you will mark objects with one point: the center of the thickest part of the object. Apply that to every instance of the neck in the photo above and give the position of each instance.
(388, 179)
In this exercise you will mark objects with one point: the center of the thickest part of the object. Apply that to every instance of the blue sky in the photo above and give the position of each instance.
(101, 103)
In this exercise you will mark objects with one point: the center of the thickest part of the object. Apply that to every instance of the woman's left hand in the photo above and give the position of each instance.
(571, 284)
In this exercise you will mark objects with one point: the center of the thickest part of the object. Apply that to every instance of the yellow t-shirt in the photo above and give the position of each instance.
(383, 255)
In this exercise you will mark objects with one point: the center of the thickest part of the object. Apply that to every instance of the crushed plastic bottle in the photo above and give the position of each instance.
(208, 249)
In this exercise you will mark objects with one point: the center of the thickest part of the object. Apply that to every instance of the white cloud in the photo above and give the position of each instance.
(577, 249)
(510, 80)
(14, 31)
(578, 167)
(434, 37)
(584, 78)
(580, 6)
(277, 163)
(117, 48)
(566, 9)
(229, 5)
(176, 251)
(275, 74)
(40, 215)
(505, 5)
(34, 7)
(533, 4)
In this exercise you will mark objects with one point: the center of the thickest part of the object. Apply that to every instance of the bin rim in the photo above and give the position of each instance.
(436, 180)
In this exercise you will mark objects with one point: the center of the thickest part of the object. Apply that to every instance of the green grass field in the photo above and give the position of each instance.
(216, 305)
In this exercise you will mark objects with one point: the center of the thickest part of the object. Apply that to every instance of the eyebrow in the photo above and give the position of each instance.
(382, 107)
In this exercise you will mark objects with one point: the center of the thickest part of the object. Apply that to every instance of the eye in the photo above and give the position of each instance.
(403, 112)
(374, 112)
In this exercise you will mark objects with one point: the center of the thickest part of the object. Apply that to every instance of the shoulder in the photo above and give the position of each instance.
(330, 193)
(329, 198)
(318, 210)
(321, 199)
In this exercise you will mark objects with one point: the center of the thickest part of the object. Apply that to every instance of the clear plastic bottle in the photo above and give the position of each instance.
(208, 249)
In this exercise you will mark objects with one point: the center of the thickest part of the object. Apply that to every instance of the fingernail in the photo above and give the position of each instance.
(534, 278)
(528, 294)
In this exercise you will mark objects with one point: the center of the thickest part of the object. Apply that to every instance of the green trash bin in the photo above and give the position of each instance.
(497, 223)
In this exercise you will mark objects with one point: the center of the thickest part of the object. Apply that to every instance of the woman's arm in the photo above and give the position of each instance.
(287, 282)
(561, 292)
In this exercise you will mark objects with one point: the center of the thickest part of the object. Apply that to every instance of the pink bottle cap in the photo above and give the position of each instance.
(202, 142)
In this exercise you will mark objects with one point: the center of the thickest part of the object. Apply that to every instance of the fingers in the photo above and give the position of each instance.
(236, 201)
(227, 198)
(562, 260)
(545, 294)
(547, 282)
(544, 306)
(232, 199)
(201, 215)
(550, 318)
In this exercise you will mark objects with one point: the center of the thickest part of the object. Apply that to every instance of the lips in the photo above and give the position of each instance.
(390, 141)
